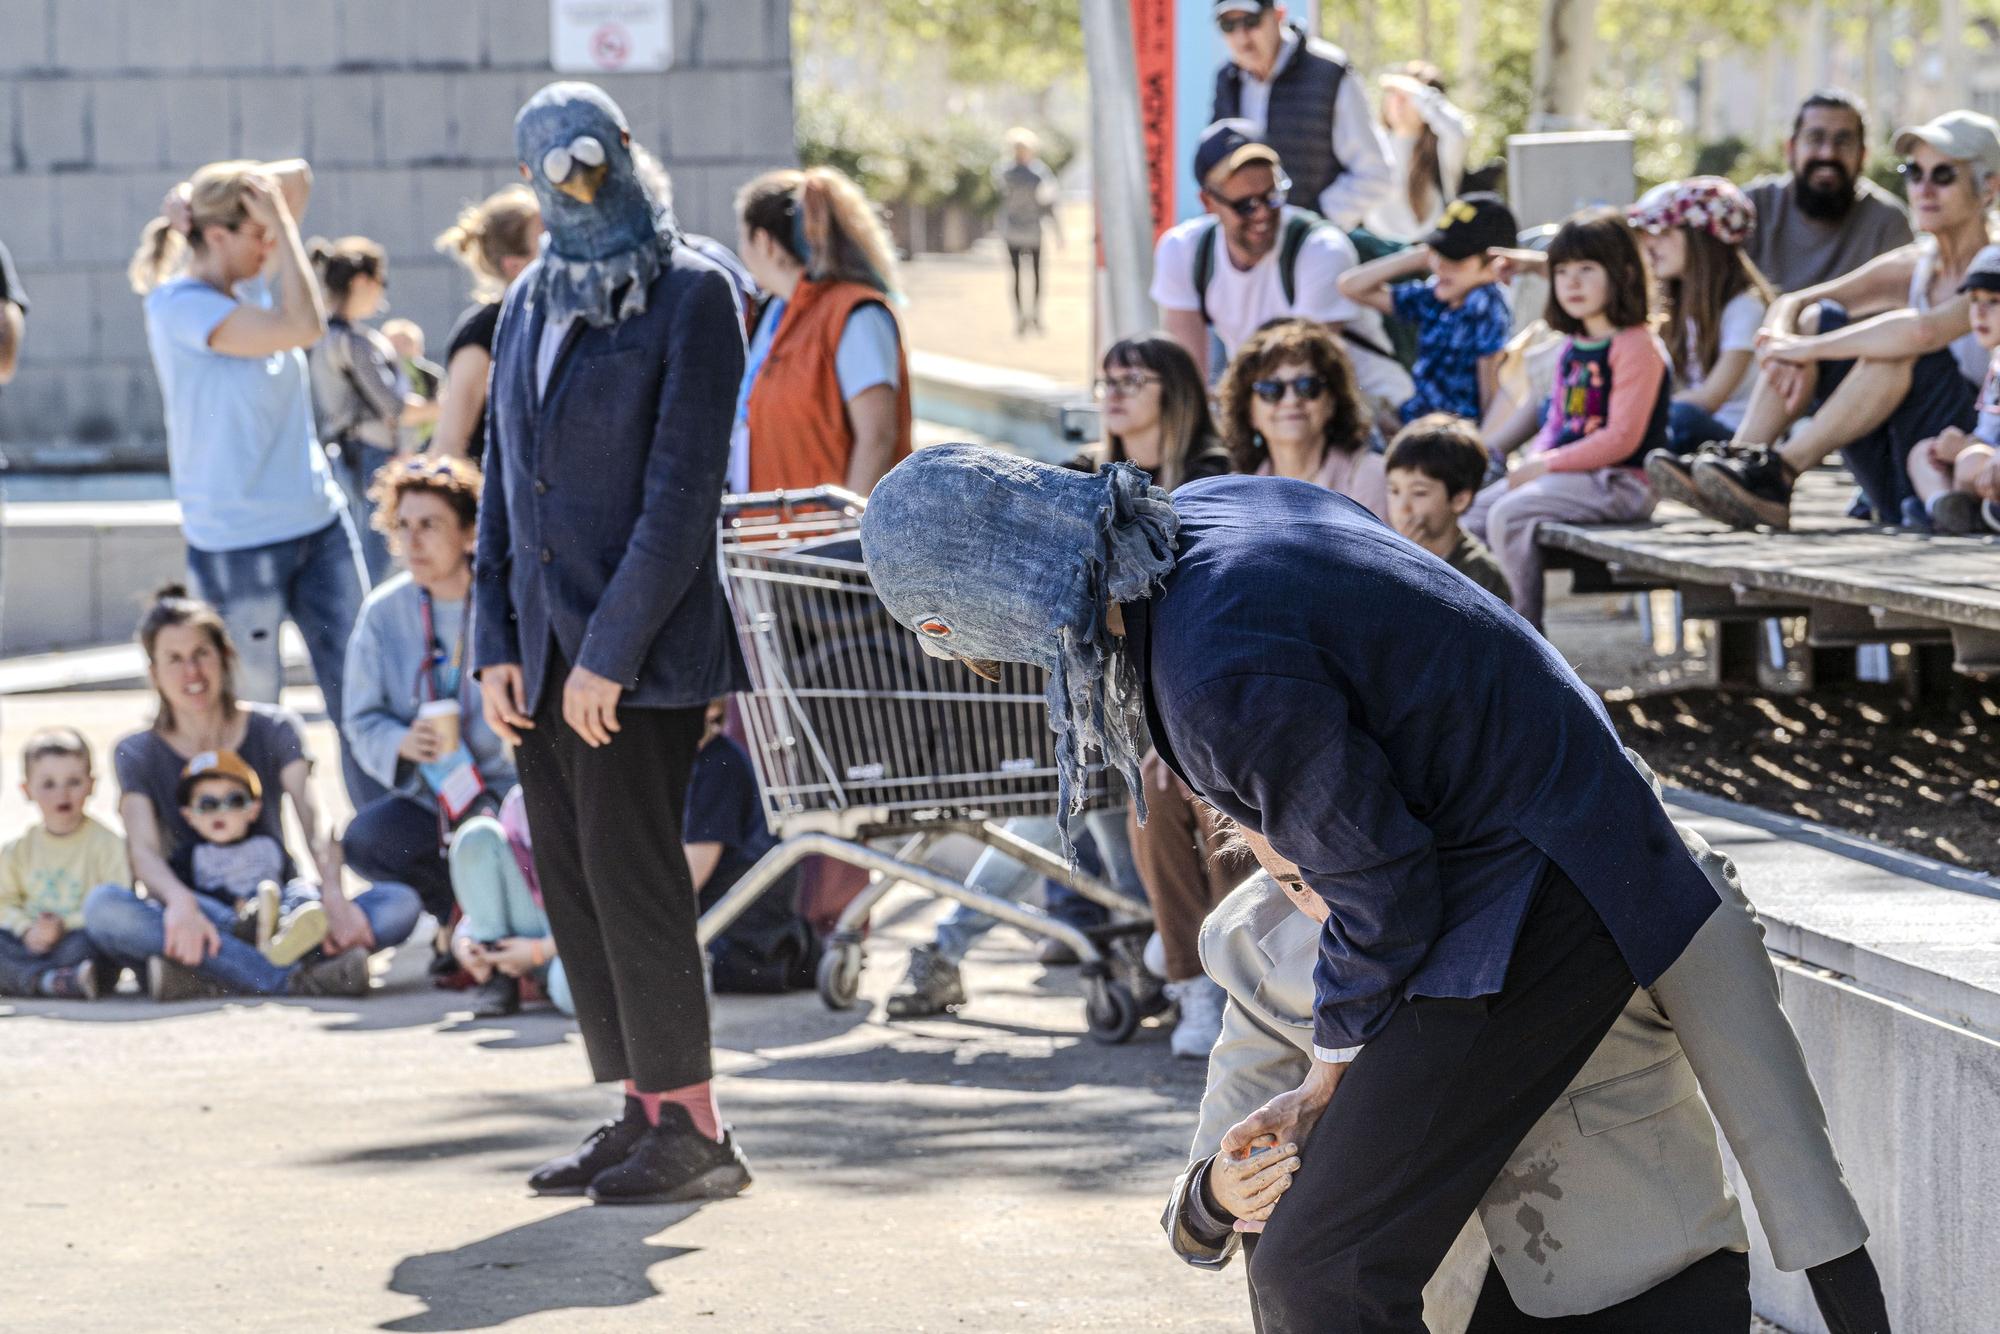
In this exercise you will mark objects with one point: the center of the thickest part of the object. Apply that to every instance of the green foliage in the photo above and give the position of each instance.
(946, 162)
(1024, 43)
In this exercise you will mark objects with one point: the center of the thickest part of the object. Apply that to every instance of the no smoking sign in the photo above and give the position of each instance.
(611, 36)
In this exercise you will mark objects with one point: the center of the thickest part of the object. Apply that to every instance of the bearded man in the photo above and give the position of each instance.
(1823, 217)
(601, 632)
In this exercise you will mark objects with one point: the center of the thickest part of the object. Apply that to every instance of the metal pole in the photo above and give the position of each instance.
(1119, 162)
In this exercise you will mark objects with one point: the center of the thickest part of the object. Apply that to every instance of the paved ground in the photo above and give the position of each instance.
(958, 305)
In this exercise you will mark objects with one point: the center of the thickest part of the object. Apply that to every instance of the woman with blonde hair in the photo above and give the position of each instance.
(826, 391)
(1427, 136)
(231, 306)
(493, 240)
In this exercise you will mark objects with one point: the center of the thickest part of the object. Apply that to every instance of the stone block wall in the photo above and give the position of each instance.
(404, 109)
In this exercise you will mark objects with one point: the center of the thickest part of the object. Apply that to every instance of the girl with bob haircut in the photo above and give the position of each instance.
(1291, 408)
(1607, 408)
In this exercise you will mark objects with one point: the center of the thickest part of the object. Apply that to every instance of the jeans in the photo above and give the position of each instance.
(1689, 428)
(355, 466)
(1001, 876)
(394, 840)
(316, 580)
(131, 930)
(21, 968)
(496, 900)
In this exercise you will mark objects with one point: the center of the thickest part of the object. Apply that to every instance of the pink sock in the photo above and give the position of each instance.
(697, 1100)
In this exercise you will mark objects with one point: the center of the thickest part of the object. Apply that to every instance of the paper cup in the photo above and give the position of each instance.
(443, 715)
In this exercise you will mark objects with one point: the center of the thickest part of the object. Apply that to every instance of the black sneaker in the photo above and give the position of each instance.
(1753, 488)
(497, 997)
(78, 982)
(170, 981)
(603, 1148)
(345, 974)
(1672, 475)
(674, 1164)
(1955, 513)
(931, 985)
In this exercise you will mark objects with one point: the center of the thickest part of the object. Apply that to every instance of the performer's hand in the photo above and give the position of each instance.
(503, 698)
(590, 705)
(1249, 1184)
(1290, 1117)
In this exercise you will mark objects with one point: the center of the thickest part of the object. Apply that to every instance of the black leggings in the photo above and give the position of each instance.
(1710, 1296)
(1033, 255)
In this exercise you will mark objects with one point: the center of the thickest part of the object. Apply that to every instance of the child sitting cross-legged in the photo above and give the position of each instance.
(1955, 475)
(221, 799)
(1462, 317)
(1435, 467)
(46, 872)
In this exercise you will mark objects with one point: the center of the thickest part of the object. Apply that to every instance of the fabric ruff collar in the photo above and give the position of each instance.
(989, 556)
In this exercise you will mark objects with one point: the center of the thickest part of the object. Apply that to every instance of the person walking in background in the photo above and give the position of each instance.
(1027, 204)
(601, 632)
(231, 306)
(359, 389)
(826, 393)
(1823, 217)
(1302, 96)
(426, 377)
(1427, 141)
(493, 241)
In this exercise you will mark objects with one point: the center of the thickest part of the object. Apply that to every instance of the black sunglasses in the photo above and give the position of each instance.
(1307, 388)
(1231, 24)
(235, 801)
(1248, 207)
(1943, 174)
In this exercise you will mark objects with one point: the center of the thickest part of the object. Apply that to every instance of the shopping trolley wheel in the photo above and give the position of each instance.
(840, 975)
(1109, 1010)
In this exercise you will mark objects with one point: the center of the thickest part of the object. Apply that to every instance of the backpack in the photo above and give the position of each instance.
(1299, 228)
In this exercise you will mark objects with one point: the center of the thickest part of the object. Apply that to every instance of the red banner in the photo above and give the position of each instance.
(1153, 49)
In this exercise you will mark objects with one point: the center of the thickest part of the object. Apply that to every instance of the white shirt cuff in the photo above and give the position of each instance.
(1335, 1055)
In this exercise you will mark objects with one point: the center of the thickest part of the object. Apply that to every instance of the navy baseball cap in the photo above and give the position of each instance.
(1226, 148)
(1983, 274)
(1473, 224)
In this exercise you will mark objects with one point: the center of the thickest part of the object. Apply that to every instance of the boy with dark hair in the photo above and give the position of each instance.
(1435, 467)
(46, 872)
(221, 798)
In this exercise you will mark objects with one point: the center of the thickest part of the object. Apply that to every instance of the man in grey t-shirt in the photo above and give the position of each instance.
(1823, 218)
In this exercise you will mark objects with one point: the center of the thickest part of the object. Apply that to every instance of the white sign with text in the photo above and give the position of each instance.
(611, 36)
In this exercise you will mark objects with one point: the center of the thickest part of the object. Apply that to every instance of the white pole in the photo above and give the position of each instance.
(1119, 162)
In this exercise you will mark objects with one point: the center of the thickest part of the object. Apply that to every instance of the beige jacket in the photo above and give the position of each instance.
(1620, 1184)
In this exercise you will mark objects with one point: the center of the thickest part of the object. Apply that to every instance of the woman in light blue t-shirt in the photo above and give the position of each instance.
(230, 307)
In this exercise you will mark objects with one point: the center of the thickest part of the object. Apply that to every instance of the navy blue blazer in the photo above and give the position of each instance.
(597, 528)
(1408, 740)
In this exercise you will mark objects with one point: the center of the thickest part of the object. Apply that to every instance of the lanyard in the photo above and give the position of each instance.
(434, 655)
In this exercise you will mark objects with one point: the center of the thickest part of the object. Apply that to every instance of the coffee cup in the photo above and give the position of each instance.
(443, 716)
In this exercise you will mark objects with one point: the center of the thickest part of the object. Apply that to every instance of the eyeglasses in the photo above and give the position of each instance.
(1231, 24)
(1122, 386)
(235, 801)
(1943, 174)
(559, 161)
(1249, 206)
(1307, 388)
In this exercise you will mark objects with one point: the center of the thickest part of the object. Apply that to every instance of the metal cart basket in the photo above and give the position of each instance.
(858, 736)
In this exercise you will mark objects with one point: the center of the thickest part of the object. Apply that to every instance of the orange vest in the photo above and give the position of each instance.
(799, 433)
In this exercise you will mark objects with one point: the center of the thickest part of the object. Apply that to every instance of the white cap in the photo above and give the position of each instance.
(1965, 136)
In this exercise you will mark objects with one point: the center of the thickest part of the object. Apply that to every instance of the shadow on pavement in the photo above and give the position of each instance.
(586, 1258)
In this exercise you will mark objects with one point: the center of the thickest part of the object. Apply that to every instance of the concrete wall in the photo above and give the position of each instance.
(404, 108)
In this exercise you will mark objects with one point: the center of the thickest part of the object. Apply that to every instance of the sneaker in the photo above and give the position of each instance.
(1955, 513)
(931, 985)
(343, 974)
(265, 907)
(170, 981)
(1672, 475)
(603, 1148)
(75, 983)
(673, 1163)
(1201, 1002)
(296, 936)
(1753, 488)
(497, 997)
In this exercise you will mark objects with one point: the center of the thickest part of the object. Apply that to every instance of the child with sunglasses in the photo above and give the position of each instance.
(221, 799)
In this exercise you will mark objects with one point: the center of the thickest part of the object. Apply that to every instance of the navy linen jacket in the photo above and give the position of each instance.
(597, 528)
(1410, 742)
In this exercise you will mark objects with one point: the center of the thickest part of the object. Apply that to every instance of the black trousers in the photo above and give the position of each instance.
(606, 825)
(1710, 1296)
(1030, 257)
(1423, 1122)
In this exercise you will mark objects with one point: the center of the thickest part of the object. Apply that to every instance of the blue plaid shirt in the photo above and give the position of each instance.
(1450, 343)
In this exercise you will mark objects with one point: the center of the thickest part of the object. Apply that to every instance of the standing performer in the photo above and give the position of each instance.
(600, 627)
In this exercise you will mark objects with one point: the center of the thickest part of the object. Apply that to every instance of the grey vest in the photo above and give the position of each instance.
(1300, 123)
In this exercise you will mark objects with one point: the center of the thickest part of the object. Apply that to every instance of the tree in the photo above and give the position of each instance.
(1028, 44)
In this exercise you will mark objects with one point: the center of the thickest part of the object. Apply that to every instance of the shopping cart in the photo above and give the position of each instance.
(858, 737)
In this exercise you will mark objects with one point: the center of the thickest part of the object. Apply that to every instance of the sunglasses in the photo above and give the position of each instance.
(1122, 386)
(1231, 24)
(416, 465)
(235, 801)
(582, 151)
(1943, 174)
(1249, 206)
(1306, 388)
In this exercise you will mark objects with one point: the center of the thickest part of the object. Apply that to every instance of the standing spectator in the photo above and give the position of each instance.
(826, 398)
(13, 316)
(47, 871)
(601, 632)
(1823, 217)
(425, 377)
(493, 240)
(183, 939)
(1027, 204)
(1290, 409)
(359, 389)
(231, 306)
(1301, 96)
(1427, 139)
(1255, 259)
(406, 668)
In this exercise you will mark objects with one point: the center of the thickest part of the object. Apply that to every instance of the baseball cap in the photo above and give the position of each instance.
(1473, 224)
(1965, 136)
(1983, 274)
(1242, 6)
(1711, 204)
(1226, 148)
(218, 764)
